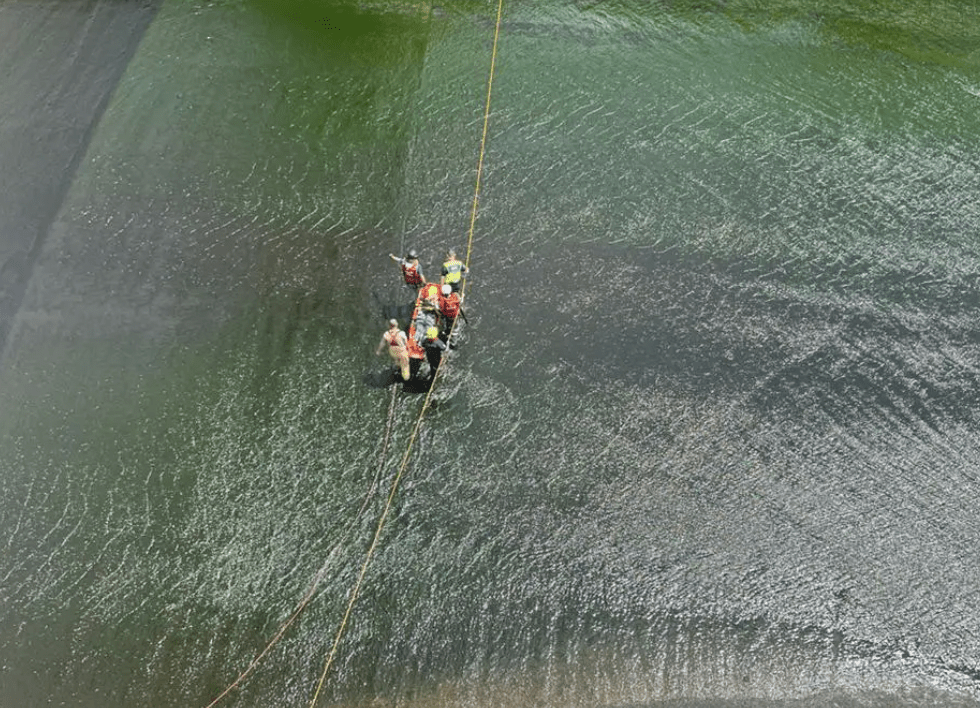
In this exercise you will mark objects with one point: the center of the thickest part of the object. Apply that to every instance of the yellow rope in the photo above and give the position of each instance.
(308, 597)
(356, 590)
(483, 139)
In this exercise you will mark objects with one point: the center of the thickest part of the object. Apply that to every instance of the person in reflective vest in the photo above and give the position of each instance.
(411, 268)
(396, 342)
(453, 271)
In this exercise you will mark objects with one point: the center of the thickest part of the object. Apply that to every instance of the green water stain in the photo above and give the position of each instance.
(942, 33)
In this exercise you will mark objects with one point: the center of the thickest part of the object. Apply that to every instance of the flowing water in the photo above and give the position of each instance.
(711, 438)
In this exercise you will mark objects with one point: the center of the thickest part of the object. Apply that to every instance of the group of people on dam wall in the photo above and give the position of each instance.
(432, 329)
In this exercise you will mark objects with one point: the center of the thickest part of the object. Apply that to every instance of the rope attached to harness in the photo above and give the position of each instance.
(403, 466)
(355, 591)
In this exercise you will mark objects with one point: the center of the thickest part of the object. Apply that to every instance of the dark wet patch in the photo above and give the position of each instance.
(57, 88)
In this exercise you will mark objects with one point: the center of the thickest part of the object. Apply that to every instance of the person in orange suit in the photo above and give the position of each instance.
(396, 342)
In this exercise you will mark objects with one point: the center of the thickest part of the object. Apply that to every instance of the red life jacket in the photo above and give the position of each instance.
(395, 338)
(449, 306)
(430, 293)
(411, 273)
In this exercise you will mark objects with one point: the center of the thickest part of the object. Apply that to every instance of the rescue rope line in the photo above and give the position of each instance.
(389, 426)
(356, 590)
(483, 140)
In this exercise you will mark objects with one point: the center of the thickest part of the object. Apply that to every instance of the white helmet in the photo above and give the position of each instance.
(446, 289)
